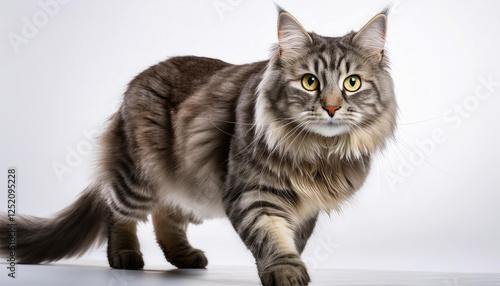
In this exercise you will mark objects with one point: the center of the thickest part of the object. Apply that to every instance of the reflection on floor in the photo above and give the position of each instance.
(74, 275)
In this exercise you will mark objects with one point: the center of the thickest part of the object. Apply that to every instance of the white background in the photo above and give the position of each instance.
(437, 214)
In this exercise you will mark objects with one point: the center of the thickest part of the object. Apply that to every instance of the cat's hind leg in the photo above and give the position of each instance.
(129, 203)
(170, 226)
(123, 245)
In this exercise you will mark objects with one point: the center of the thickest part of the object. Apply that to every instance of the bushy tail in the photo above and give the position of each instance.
(70, 233)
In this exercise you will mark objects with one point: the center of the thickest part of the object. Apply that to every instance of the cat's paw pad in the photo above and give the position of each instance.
(285, 275)
(193, 258)
(126, 259)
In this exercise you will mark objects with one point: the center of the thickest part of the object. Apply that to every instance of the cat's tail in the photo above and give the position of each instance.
(70, 233)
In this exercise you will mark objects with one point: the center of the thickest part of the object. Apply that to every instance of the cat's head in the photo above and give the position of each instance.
(333, 90)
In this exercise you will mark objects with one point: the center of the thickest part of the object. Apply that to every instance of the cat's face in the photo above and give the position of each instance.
(332, 86)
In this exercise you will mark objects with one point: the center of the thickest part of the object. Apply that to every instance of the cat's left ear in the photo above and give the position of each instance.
(293, 38)
(372, 35)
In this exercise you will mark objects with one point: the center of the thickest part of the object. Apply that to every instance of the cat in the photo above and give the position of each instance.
(269, 145)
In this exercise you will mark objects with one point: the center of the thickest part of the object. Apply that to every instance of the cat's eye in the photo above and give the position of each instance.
(310, 82)
(352, 83)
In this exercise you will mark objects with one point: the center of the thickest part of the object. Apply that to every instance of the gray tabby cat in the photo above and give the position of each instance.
(268, 144)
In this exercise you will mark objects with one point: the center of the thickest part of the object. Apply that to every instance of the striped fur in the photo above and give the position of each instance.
(198, 138)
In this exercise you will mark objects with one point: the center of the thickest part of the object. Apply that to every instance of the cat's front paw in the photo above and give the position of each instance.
(285, 275)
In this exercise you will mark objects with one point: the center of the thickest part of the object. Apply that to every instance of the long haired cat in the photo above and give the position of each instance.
(269, 145)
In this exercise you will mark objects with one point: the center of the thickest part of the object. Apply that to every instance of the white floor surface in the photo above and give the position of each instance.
(75, 275)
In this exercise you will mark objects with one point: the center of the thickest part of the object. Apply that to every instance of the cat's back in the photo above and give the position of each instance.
(175, 78)
(178, 78)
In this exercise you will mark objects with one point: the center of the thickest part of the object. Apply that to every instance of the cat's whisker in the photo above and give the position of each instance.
(302, 128)
(269, 123)
(217, 127)
(245, 123)
(408, 146)
(421, 121)
(287, 135)
(253, 125)
(257, 138)
(398, 157)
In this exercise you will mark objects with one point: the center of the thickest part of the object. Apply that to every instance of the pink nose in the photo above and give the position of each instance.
(331, 109)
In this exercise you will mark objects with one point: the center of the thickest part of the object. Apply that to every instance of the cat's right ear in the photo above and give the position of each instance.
(372, 36)
(293, 38)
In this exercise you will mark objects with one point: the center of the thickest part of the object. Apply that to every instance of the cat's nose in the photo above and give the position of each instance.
(331, 109)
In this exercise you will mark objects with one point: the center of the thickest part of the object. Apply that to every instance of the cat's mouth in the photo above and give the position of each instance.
(332, 122)
(330, 127)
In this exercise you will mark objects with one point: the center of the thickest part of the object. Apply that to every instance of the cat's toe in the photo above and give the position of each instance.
(126, 259)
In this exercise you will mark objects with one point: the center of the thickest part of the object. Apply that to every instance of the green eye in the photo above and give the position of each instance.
(352, 83)
(310, 82)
